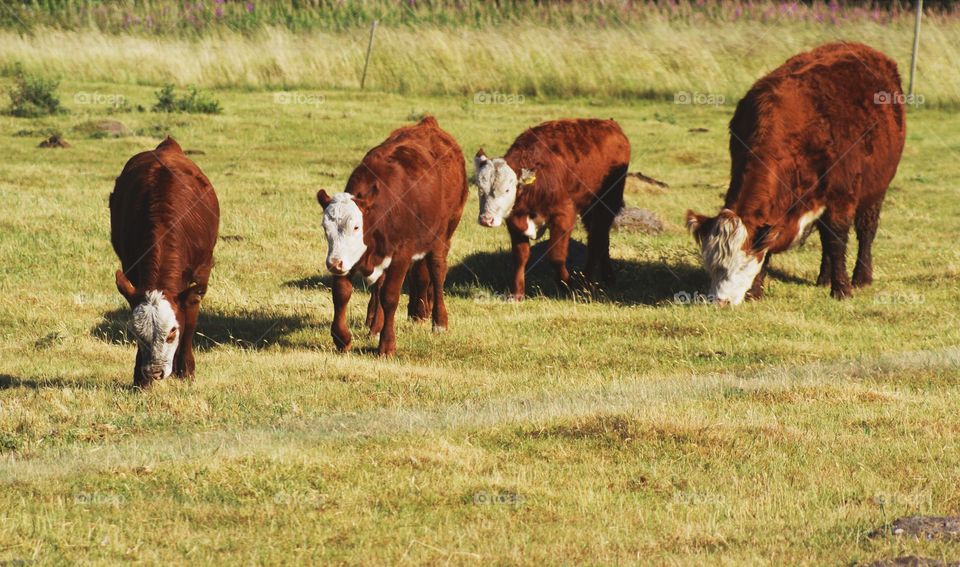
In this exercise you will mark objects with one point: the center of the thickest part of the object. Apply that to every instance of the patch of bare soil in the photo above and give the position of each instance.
(912, 561)
(54, 141)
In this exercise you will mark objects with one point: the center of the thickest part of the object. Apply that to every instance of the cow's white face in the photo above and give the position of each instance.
(343, 225)
(497, 184)
(728, 257)
(155, 327)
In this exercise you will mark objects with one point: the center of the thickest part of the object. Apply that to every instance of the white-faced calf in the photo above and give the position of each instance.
(164, 218)
(398, 214)
(550, 174)
(813, 144)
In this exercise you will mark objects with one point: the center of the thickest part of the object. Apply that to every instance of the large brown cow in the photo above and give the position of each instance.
(164, 218)
(400, 209)
(815, 142)
(550, 174)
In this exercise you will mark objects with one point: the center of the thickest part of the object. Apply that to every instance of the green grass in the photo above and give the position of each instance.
(618, 428)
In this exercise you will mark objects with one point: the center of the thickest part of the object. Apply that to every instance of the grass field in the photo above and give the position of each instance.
(624, 428)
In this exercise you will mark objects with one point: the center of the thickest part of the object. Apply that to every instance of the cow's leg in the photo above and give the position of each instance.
(183, 363)
(521, 255)
(561, 226)
(437, 260)
(342, 290)
(390, 291)
(598, 243)
(866, 222)
(823, 278)
(592, 259)
(756, 290)
(837, 231)
(418, 283)
(374, 320)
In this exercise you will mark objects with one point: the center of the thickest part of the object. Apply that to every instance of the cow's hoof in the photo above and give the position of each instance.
(387, 352)
(514, 298)
(439, 328)
(841, 293)
(823, 281)
(861, 281)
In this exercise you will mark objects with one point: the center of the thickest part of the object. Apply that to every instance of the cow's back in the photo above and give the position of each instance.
(421, 181)
(572, 158)
(163, 209)
(830, 112)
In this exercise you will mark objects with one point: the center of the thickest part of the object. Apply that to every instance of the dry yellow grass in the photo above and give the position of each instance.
(656, 59)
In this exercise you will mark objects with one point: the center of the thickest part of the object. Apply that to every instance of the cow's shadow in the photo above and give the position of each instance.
(488, 274)
(252, 330)
(10, 382)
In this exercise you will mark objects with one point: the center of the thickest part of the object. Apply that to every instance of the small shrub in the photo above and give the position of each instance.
(194, 101)
(33, 96)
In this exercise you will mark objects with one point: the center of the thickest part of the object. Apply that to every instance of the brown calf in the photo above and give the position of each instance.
(550, 174)
(814, 143)
(164, 218)
(400, 209)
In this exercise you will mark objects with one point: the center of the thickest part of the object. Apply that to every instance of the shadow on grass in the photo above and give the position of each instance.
(488, 275)
(648, 283)
(9, 382)
(782, 276)
(246, 330)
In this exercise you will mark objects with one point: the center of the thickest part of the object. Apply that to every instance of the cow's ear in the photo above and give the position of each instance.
(323, 198)
(527, 176)
(363, 203)
(764, 238)
(696, 223)
(480, 159)
(125, 288)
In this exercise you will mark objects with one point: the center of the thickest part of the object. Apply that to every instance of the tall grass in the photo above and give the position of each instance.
(655, 60)
(192, 18)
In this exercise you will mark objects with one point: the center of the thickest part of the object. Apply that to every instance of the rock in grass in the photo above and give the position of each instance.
(632, 219)
(54, 141)
(103, 129)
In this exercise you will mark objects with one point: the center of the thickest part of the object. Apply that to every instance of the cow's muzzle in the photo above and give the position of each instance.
(487, 220)
(335, 265)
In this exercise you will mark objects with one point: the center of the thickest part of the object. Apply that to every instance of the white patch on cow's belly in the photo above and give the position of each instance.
(378, 271)
(805, 225)
(531, 231)
(419, 256)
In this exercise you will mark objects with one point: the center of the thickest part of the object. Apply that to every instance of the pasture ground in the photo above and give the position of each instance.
(614, 428)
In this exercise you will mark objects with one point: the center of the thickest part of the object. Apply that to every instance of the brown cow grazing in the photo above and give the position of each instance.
(164, 218)
(550, 174)
(815, 142)
(400, 209)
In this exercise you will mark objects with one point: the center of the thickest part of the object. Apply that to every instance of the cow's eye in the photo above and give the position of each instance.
(172, 336)
(356, 228)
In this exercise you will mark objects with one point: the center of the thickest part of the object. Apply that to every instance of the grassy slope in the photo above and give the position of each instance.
(628, 428)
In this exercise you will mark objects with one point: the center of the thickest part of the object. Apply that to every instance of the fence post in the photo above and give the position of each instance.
(916, 44)
(366, 62)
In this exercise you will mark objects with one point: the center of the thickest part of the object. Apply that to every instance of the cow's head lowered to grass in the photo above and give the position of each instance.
(498, 184)
(733, 253)
(156, 324)
(343, 224)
